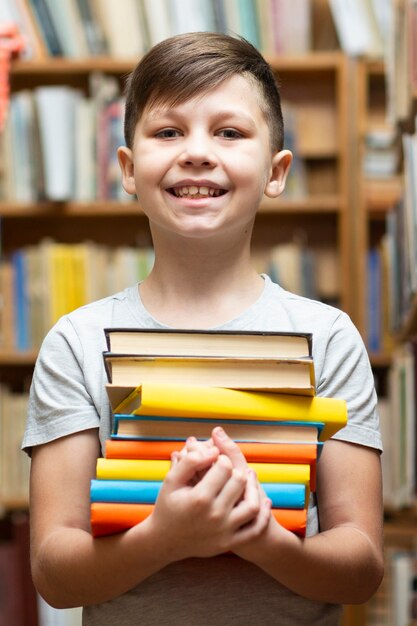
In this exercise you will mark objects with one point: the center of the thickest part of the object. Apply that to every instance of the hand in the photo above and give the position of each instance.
(207, 518)
(264, 520)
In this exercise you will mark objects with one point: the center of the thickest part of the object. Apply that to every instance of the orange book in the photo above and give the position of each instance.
(111, 518)
(254, 452)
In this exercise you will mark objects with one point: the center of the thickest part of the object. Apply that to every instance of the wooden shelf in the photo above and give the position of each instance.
(14, 358)
(382, 195)
(320, 61)
(326, 203)
(380, 360)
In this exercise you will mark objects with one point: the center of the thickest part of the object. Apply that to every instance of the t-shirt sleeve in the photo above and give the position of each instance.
(346, 373)
(59, 402)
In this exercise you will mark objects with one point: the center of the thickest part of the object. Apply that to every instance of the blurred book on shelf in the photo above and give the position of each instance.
(77, 29)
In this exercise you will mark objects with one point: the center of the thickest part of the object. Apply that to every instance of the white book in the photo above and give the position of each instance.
(49, 616)
(67, 21)
(296, 26)
(356, 27)
(403, 570)
(192, 16)
(23, 152)
(158, 20)
(123, 27)
(85, 149)
(56, 113)
(232, 14)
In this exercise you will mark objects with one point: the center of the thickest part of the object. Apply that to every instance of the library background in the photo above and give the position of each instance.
(345, 230)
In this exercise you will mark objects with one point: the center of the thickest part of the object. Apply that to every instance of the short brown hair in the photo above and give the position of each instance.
(182, 66)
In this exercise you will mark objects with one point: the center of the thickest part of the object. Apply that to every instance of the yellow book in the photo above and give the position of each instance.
(215, 402)
(157, 469)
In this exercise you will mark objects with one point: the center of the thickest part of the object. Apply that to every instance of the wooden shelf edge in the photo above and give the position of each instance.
(315, 60)
(13, 504)
(382, 195)
(15, 358)
(380, 360)
(320, 203)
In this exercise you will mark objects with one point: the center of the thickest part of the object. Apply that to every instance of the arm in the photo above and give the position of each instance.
(71, 568)
(344, 562)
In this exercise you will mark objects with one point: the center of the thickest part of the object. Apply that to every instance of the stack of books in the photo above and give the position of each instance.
(165, 386)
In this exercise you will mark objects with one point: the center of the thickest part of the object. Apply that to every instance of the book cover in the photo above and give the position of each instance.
(21, 300)
(111, 518)
(252, 451)
(66, 18)
(46, 27)
(261, 452)
(157, 469)
(282, 495)
(286, 376)
(208, 343)
(180, 428)
(56, 113)
(213, 402)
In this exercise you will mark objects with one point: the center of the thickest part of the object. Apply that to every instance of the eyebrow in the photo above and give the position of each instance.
(172, 113)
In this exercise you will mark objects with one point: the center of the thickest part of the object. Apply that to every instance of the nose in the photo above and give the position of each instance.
(198, 151)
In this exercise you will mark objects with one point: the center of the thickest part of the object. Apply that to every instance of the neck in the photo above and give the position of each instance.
(200, 283)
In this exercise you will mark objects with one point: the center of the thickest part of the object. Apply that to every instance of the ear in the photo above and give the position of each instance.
(125, 157)
(281, 163)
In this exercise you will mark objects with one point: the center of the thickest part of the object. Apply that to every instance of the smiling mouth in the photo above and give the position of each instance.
(194, 191)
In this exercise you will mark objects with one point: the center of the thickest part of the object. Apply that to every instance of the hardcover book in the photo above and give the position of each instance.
(249, 344)
(214, 402)
(282, 495)
(108, 518)
(148, 427)
(285, 376)
(152, 469)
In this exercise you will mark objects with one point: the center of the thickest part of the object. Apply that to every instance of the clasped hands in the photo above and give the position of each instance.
(211, 502)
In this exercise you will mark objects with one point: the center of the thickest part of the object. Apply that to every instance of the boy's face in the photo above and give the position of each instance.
(201, 167)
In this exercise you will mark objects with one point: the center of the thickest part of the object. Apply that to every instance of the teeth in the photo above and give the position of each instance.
(194, 191)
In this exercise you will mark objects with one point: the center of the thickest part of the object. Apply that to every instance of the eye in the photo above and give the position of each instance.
(168, 133)
(230, 133)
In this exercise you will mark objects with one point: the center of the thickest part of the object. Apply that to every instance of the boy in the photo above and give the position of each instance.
(204, 142)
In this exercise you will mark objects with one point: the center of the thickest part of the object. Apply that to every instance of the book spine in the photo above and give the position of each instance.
(146, 469)
(110, 518)
(282, 495)
(261, 452)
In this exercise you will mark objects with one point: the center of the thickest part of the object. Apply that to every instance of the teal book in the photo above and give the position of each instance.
(151, 427)
(249, 27)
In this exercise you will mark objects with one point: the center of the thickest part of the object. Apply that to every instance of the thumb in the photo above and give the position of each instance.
(228, 447)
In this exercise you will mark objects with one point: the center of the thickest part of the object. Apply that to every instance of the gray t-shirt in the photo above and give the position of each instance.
(68, 395)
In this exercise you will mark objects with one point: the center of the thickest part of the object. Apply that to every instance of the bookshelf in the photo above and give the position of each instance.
(386, 101)
(317, 86)
(314, 85)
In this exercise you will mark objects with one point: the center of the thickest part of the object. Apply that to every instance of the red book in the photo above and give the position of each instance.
(254, 452)
(111, 518)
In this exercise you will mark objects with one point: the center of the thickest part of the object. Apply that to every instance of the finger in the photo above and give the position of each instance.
(248, 508)
(227, 446)
(232, 492)
(214, 479)
(185, 468)
(194, 444)
(257, 526)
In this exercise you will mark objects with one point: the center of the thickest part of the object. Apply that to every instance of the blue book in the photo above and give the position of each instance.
(282, 495)
(127, 491)
(374, 300)
(21, 301)
(149, 427)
